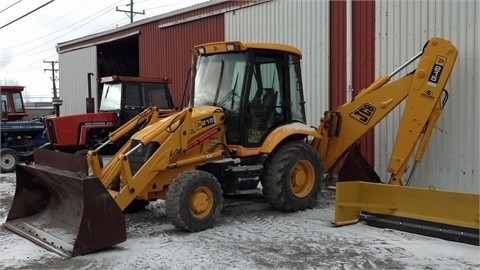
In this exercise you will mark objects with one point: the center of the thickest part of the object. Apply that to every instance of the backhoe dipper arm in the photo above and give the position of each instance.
(422, 89)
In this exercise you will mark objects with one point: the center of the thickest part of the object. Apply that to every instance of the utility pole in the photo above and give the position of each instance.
(130, 13)
(55, 100)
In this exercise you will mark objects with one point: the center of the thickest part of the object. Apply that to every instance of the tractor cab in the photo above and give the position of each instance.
(12, 105)
(259, 89)
(129, 96)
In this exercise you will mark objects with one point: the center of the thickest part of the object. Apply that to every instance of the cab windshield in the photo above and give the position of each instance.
(219, 79)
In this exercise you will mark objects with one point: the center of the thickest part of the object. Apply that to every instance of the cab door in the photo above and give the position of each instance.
(265, 95)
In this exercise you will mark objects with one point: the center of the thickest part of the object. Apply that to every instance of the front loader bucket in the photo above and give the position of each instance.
(64, 211)
(447, 215)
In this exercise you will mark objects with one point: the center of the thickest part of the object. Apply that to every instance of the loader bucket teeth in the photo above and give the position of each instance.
(65, 212)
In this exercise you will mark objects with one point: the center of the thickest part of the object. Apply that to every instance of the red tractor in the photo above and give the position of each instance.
(122, 98)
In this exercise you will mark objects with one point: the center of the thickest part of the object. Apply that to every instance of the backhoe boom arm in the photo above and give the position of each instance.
(422, 90)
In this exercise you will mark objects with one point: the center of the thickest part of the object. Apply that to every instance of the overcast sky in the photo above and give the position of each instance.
(29, 41)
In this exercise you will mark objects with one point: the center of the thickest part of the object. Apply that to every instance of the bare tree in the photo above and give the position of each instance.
(10, 82)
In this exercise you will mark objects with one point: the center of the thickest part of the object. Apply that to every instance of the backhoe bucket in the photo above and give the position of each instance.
(355, 166)
(61, 209)
(448, 215)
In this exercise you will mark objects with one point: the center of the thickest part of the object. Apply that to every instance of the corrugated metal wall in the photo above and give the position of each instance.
(98, 38)
(452, 159)
(165, 45)
(362, 56)
(303, 24)
(363, 46)
(75, 65)
(338, 53)
(167, 51)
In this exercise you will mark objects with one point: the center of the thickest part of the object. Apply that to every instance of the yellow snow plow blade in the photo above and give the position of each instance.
(448, 215)
(62, 209)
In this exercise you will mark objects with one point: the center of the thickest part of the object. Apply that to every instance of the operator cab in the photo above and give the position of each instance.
(129, 96)
(12, 105)
(258, 85)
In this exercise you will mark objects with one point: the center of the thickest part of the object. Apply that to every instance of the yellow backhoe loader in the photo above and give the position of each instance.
(245, 125)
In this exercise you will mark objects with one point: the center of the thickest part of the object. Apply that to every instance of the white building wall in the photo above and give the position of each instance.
(74, 67)
(303, 24)
(452, 159)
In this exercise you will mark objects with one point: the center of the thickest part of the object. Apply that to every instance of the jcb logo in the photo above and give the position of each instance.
(364, 113)
(440, 60)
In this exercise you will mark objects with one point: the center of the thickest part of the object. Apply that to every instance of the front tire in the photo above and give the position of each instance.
(292, 177)
(194, 201)
(8, 160)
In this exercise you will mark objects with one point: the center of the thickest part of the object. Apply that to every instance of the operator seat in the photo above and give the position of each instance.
(269, 98)
(263, 112)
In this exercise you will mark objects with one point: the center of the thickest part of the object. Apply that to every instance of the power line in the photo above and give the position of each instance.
(26, 14)
(74, 10)
(11, 5)
(40, 27)
(97, 15)
(22, 54)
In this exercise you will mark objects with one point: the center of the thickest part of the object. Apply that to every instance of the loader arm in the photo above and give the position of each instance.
(157, 153)
(117, 163)
(148, 116)
(145, 118)
(422, 90)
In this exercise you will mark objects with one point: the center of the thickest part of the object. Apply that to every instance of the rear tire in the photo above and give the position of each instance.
(194, 201)
(8, 160)
(292, 177)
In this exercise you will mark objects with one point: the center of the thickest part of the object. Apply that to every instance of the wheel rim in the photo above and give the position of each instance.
(201, 202)
(302, 178)
(8, 161)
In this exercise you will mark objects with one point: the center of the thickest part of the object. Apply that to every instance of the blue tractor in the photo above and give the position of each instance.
(18, 137)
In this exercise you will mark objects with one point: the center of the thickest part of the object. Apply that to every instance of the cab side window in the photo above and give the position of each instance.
(266, 95)
(5, 107)
(17, 102)
(132, 95)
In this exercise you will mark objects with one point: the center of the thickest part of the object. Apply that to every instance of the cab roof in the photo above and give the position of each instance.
(228, 46)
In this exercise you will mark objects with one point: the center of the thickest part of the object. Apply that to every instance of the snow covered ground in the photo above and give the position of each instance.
(249, 235)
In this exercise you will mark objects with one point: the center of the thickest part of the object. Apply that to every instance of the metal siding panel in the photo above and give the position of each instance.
(303, 24)
(202, 12)
(338, 43)
(363, 18)
(99, 40)
(166, 52)
(452, 160)
(74, 67)
(363, 23)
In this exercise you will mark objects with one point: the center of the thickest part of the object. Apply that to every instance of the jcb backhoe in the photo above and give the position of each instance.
(245, 125)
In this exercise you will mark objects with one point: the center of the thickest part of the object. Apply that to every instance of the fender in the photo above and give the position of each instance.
(281, 133)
